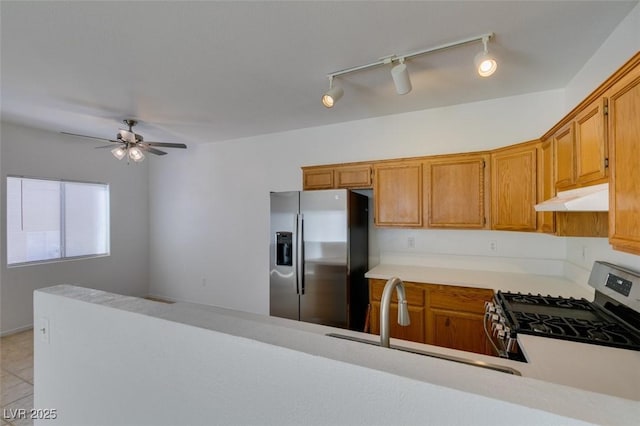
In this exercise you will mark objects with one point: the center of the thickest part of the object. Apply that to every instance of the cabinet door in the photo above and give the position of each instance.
(591, 144)
(456, 191)
(564, 154)
(414, 332)
(459, 330)
(397, 194)
(546, 186)
(317, 178)
(353, 176)
(514, 188)
(624, 139)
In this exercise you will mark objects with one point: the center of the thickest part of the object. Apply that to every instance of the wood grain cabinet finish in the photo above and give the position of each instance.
(448, 316)
(591, 154)
(397, 194)
(349, 176)
(455, 318)
(317, 178)
(514, 187)
(624, 143)
(546, 185)
(581, 148)
(356, 176)
(564, 143)
(457, 191)
(416, 331)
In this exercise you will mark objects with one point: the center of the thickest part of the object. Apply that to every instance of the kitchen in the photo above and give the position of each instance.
(215, 172)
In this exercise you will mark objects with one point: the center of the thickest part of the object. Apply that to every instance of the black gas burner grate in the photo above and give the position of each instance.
(560, 302)
(565, 318)
(599, 332)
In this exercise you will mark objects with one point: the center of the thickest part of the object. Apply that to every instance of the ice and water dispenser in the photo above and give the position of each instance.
(284, 248)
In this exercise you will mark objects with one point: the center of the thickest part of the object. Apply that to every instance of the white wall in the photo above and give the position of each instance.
(36, 153)
(210, 227)
(619, 47)
(104, 366)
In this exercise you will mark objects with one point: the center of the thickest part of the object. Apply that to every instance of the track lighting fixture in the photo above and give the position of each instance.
(332, 95)
(485, 63)
(400, 76)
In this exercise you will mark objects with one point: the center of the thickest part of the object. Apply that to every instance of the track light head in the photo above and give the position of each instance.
(486, 63)
(332, 95)
(400, 76)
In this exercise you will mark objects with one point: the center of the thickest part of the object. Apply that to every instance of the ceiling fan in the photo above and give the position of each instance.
(132, 144)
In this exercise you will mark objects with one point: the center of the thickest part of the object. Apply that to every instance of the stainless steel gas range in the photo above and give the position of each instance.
(611, 319)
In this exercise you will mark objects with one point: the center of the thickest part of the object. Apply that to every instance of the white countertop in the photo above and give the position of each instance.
(592, 367)
(505, 281)
(534, 389)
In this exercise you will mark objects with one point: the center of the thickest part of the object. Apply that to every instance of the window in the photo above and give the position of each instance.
(54, 220)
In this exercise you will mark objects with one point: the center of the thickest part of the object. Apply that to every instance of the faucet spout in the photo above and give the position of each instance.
(385, 303)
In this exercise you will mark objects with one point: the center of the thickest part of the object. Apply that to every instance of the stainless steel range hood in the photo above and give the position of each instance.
(588, 199)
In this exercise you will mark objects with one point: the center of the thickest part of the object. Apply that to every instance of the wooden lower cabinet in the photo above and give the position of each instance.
(441, 315)
(415, 332)
(458, 330)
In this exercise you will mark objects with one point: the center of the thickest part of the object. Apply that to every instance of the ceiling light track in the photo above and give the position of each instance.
(399, 72)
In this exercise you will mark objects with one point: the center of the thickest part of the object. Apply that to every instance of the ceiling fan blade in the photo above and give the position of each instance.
(167, 145)
(105, 146)
(147, 148)
(90, 137)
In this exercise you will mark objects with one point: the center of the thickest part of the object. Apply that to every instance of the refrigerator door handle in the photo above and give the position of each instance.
(299, 254)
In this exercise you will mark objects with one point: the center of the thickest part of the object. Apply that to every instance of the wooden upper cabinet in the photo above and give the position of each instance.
(397, 193)
(514, 187)
(317, 178)
(546, 185)
(624, 143)
(337, 176)
(581, 148)
(457, 191)
(591, 144)
(353, 176)
(564, 143)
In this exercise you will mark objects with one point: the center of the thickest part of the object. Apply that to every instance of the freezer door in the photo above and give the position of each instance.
(283, 289)
(324, 288)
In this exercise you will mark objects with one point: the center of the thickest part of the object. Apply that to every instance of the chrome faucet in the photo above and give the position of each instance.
(385, 302)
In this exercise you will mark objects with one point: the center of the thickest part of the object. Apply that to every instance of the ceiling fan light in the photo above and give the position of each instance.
(119, 152)
(136, 154)
(332, 96)
(400, 76)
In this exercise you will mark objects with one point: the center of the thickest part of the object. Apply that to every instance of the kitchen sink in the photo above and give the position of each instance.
(475, 363)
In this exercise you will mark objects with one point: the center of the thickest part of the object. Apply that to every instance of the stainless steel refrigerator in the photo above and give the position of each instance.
(319, 255)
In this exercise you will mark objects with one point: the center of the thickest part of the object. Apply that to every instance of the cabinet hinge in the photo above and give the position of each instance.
(606, 110)
(606, 163)
(484, 164)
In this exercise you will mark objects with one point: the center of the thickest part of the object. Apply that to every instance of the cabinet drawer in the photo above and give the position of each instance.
(464, 299)
(415, 294)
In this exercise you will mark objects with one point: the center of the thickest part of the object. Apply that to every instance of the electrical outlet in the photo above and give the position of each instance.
(493, 245)
(411, 242)
(44, 330)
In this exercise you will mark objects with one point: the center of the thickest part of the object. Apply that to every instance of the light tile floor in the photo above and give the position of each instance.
(16, 377)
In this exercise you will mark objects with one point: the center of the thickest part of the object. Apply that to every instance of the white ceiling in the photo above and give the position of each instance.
(211, 71)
